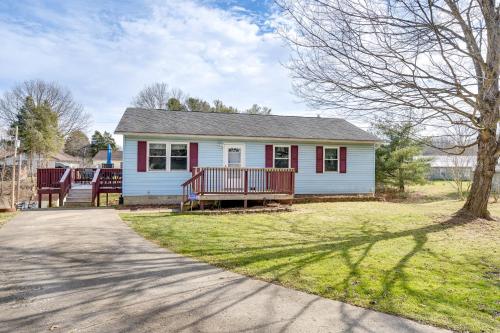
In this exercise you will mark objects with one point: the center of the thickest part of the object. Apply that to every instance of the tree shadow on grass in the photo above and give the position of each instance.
(293, 257)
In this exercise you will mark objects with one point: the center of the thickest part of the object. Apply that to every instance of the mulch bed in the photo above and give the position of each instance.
(252, 210)
(335, 198)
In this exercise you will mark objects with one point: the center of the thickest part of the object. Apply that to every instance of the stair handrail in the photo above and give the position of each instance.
(64, 185)
(95, 185)
(193, 185)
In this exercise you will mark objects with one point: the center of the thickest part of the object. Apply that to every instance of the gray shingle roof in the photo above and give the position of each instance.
(145, 121)
(102, 155)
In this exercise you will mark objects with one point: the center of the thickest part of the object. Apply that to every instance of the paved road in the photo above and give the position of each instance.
(86, 271)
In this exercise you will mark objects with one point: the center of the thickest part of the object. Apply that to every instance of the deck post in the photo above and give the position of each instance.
(246, 182)
(245, 203)
(39, 199)
(106, 199)
(202, 205)
(50, 199)
(61, 197)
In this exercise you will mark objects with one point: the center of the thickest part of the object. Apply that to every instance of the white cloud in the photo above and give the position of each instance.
(106, 59)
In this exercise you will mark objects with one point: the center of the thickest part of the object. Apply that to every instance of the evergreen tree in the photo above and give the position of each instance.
(38, 128)
(197, 104)
(221, 107)
(174, 104)
(100, 141)
(77, 144)
(397, 161)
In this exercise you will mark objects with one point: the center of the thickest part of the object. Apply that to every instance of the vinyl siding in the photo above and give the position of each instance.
(360, 176)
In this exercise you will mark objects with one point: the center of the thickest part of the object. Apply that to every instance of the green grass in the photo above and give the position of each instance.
(113, 199)
(4, 217)
(409, 259)
(434, 191)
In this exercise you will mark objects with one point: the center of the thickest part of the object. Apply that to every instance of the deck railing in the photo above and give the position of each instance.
(110, 178)
(64, 185)
(83, 175)
(95, 186)
(49, 178)
(217, 180)
(107, 180)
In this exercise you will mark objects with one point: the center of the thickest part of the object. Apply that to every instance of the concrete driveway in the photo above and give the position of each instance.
(86, 271)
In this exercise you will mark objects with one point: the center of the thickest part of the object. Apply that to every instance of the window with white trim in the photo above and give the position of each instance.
(178, 156)
(157, 156)
(281, 156)
(331, 159)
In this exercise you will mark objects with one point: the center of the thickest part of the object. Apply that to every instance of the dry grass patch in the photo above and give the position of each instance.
(4, 217)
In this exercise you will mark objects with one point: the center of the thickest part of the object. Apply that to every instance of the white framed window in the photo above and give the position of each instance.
(168, 156)
(178, 156)
(157, 156)
(234, 155)
(281, 156)
(331, 159)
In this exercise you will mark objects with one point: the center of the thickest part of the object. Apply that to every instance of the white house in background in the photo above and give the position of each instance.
(102, 156)
(447, 167)
(56, 160)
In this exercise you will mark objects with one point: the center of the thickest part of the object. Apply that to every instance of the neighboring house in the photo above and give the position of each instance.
(55, 160)
(447, 167)
(102, 157)
(161, 150)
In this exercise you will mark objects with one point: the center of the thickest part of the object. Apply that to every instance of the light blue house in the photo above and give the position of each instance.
(173, 156)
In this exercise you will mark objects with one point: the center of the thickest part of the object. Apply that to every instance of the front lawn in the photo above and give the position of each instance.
(434, 190)
(408, 259)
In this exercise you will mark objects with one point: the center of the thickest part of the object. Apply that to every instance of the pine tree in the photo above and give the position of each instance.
(38, 128)
(100, 141)
(397, 161)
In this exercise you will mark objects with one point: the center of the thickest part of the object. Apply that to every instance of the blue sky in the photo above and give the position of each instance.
(106, 51)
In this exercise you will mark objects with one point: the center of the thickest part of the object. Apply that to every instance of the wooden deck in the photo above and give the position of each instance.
(218, 184)
(61, 181)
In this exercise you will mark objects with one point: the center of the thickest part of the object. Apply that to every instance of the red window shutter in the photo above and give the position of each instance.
(319, 159)
(142, 147)
(295, 158)
(269, 156)
(193, 155)
(343, 159)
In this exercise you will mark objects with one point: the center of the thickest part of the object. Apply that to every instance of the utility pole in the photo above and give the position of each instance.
(19, 169)
(13, 194)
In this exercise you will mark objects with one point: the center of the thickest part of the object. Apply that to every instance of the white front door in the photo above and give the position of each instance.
(234, 157)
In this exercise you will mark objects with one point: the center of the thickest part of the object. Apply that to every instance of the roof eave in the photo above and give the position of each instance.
(249, 138)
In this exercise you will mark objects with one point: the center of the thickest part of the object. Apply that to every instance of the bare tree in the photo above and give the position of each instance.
(71, 115)
(157, 96)
(434, 62)
(460, 164)
(460, 173)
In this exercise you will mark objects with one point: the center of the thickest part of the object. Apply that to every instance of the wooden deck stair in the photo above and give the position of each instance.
(79, 196)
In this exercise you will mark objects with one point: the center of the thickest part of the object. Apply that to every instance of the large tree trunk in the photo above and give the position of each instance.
(477, 201)
(487, 158)
(488, 141)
